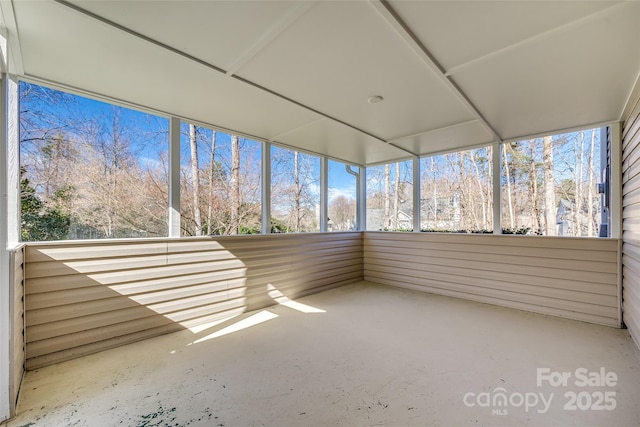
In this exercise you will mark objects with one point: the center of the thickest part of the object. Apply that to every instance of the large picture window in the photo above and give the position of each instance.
(390, 197)
(93, 170)
(220, 183)
(456, 192)
(90, 170)
(295, 191)
(549, 185)
(343, 184)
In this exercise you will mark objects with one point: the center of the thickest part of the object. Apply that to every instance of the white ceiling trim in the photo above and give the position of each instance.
(126, 104)
(166, 115)
(207, 64)
(313, 110)
(138, 35)
(406, 150)
(490, 95)
(632, 100)
(279, 27)
(458, 150)
(14, 57)
(313, 153)
(392, 18)
(533, 39)
(402, 138)
(560, 131)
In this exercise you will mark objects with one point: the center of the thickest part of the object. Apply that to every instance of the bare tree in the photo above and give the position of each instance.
(509, 193)
(481, 189)
(533, 187)
(294, 181)
(396, 197)
(578, 173)
(549, 187)
(212, 174)
(435, 190)
(298, 188)
(235, 185)
(342, 212)
(386, 222)
(591, 185)
(195, 178)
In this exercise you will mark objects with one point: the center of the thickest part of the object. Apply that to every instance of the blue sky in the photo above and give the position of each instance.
(148, 134)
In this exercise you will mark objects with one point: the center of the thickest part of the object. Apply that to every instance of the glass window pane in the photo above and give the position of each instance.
(220, 183)
(295, 191)
(390, 197)
(549, 185)
(343, 186)
(90, 170)
(456, 192)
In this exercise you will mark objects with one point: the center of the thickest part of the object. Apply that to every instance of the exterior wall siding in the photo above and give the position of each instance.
(575, 278)
(81, 298)
(17, 326)
(631, 222)
(84, 297)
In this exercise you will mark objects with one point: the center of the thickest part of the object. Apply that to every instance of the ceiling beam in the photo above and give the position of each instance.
(402, 29)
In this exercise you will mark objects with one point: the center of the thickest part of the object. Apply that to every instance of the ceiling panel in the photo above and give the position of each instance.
(341, 53)
(456, 32)
(529, 67)
(341, 142)
(446, 139)
(217, 32)
(582, 76)
(112, 63)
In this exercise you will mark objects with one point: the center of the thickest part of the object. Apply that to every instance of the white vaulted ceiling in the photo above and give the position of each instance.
(452, 73)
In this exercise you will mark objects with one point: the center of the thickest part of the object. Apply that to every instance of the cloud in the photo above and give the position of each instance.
(349, 192)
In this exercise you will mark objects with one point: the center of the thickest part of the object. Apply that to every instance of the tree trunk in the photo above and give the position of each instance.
(195, 176)
(591, 184)
(296, 173)
(551, 228)
(396, 197)
(387, 196)
(579, 197)
(212, 172)
(509, 200)
(235, 185)
(533, 188)
(479, 180)
(435, 191)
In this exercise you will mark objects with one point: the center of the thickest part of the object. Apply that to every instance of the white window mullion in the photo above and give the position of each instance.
(496, 170)
(416, 195)
(266, 188)
(324, 193)
(174, 177)
(361, 197)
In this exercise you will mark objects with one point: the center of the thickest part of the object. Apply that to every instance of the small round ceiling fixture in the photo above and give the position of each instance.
(375, 99)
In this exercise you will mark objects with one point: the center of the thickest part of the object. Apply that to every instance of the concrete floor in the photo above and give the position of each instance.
(360, 355)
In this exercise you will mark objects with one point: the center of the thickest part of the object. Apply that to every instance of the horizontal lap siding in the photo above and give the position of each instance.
(86, 297)
(572, 278)
(17, 340)
(631, 223)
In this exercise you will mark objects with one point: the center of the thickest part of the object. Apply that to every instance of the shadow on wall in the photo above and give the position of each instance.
(84, 298)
